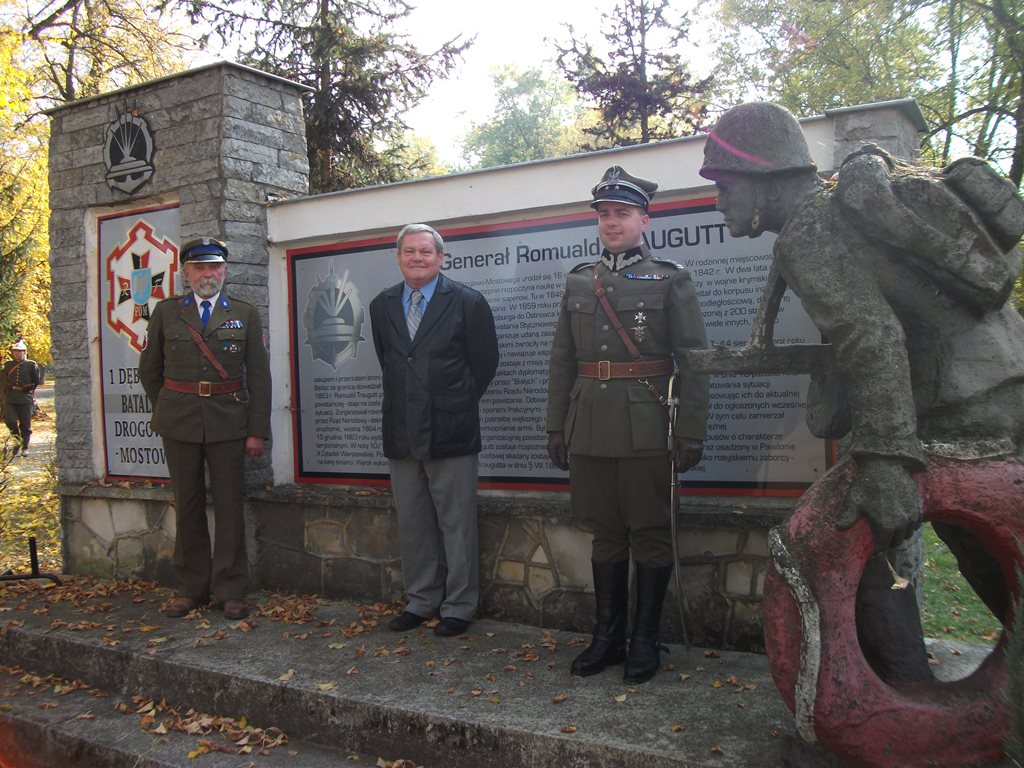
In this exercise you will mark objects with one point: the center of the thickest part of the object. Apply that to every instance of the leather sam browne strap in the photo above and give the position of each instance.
(206, 351)
(605, 370)
(614, 319)
(604, 367)
(203, 388)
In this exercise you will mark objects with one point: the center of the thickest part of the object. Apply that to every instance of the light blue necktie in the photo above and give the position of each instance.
(205, 304)
(412, 320)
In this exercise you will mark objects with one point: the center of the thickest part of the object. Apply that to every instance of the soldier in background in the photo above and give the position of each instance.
(622, 322)
(206, 371)
(21, 377)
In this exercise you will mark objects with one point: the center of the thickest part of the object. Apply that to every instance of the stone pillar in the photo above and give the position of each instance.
(896, 126)
(224, 139)
(206, 149)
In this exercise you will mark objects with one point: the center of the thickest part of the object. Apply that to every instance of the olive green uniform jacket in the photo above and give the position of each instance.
(235, 336)
(656, 302)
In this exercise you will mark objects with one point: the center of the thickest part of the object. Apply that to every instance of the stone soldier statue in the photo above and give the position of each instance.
(21, 377)
(908, 276)
(622, 322)
(206, 370)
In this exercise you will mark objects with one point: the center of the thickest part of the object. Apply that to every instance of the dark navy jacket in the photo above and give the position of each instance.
(433, 385)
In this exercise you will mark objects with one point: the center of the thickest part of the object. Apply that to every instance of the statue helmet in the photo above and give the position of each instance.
(756, 138)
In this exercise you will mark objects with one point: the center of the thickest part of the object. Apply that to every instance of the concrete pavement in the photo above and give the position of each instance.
(344, 690)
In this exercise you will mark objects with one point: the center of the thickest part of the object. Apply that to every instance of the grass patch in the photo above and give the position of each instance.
(951, 607)
(28, 502)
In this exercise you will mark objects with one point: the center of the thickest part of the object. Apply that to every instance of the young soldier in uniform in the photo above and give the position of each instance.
(622, 322)
(206, 370)
(21, 377)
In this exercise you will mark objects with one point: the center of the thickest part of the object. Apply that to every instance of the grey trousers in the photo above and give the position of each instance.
(437, 534)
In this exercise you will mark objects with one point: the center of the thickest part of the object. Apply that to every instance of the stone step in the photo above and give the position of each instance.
(331, 676)
(45, 725)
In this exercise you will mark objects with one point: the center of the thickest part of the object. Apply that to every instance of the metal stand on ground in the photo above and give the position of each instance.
(34, 563)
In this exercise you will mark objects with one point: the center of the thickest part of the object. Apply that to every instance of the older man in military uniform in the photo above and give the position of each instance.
(206, 370)
(622, 322)
(21, 377)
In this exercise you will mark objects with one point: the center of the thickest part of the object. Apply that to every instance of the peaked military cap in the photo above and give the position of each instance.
(20, 345)
(618, 186)
(204, 249)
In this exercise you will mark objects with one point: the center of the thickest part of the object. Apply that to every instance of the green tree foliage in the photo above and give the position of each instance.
(363, 75)
(86, 47)
(963, 60)
(535, 116)
(419, 159)
(642, 86)
(811, 56)
(979, 103)
(24, 272)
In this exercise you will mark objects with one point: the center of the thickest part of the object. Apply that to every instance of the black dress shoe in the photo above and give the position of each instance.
(450, 627)
(405, 621)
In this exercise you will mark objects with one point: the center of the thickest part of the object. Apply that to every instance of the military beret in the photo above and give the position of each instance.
(618, 186)
(204, 249)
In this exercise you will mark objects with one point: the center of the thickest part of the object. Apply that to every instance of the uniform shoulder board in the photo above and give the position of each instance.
(669, 262)
(578, 267)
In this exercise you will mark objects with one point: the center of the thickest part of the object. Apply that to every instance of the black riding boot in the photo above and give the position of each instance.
(644, 650)
(611, 592)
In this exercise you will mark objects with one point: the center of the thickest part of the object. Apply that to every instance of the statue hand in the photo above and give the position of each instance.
(557, 451)
(688, 453)
(887, 495)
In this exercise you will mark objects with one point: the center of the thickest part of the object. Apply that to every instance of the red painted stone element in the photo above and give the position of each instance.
(857, 716)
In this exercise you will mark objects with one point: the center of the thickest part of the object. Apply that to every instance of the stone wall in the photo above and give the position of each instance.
(534, 558)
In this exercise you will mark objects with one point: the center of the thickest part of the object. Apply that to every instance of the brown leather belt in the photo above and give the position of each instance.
(605, 369)
(203, 388)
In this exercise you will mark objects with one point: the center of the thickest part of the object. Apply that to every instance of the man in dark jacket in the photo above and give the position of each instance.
(206, 371)
(438, 351)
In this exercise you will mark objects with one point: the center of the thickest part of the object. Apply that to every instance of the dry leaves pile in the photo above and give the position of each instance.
(216, 734)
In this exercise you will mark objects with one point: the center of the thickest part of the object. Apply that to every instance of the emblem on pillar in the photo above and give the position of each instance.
(128, 152)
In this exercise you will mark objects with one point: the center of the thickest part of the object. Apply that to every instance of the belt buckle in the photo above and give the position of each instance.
(204, 388)
(604, 370)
